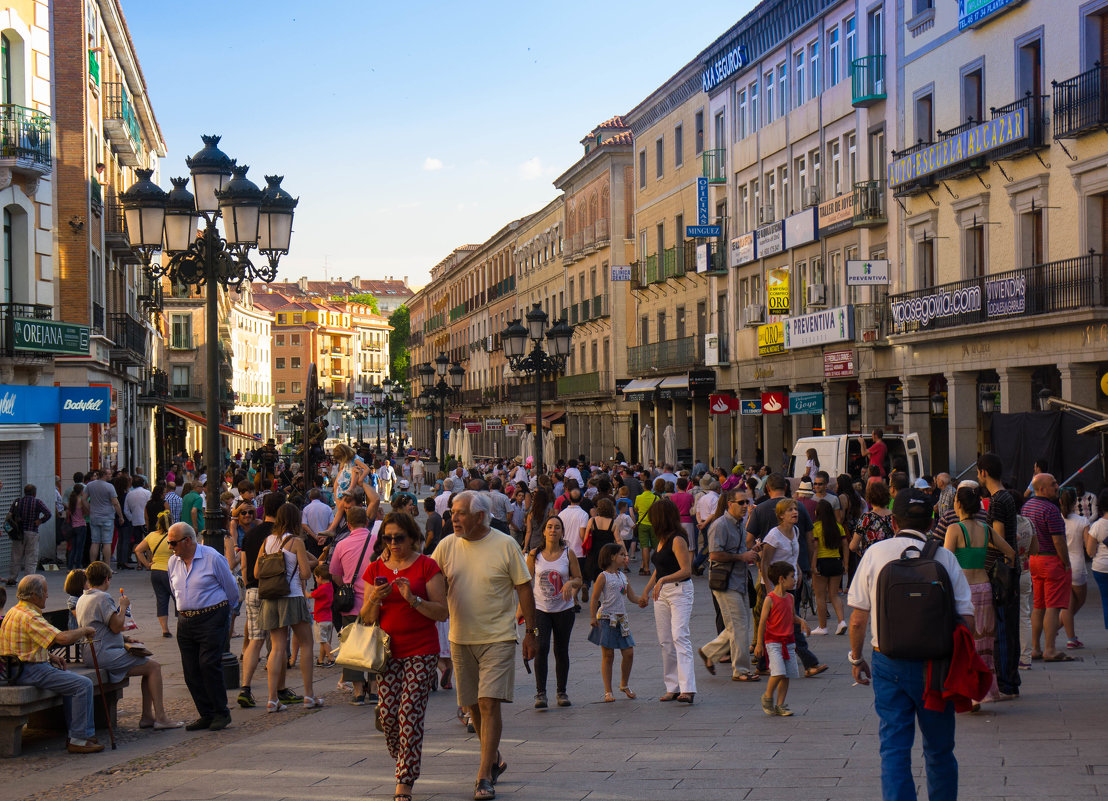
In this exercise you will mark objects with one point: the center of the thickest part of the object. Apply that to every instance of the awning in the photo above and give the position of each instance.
(455, 416)
(547, 418)
(201, 421)
(674, 382)
(641, 385)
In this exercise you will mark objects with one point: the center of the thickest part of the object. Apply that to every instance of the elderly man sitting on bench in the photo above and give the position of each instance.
(26, 635)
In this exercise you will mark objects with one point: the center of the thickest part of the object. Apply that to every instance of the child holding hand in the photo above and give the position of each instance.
(775, 637)
(608, 615)
(324, 596)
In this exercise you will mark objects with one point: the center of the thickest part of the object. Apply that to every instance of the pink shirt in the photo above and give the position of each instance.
(344, 561)
(684, 503)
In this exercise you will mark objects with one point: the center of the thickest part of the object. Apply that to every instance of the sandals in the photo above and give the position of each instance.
(275, 706)
(483, 790)
(668, 697)
(1060, 657)
(709, 666)
(814, 671)
(402, 797)
(644, 572)
(313, 703)
(746, 677)
(609, 698)
(686, 698)
(628, 692)
(498, 768)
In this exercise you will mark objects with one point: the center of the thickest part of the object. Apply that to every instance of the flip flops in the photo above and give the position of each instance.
(1060, 658)
(711, 668)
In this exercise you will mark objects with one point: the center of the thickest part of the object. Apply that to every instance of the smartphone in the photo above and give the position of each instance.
(380, 580)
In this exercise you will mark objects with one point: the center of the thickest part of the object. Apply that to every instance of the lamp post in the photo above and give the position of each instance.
(437, 393)
(252, 218)
(538, 362)
(360, 414)
(388, 396)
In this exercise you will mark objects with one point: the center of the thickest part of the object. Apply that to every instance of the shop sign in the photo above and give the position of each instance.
(820, 328)
(862, 272)
(558, 429)
(838, 364)
(770, 239)
(723, 66)
(702, 382)
(972, 13)
(805, 403)
(777, 290)
(836, 214)
(997, 132)
(514, 429)
(703, 257)
(493, 424)
(361, 399)
(773, 402)
(711, 350)
(800, 228)
(938, 305)
(723, 404)
(751, 407)
(621, 272)
(1006, 296)
(27, 405)
(47, 336)
(473, 428)
(742, 249)
(771, 338)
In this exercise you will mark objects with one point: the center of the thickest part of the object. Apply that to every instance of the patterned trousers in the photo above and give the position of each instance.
(403, 690)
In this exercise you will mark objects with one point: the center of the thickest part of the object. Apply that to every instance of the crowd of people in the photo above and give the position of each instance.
(501, 542)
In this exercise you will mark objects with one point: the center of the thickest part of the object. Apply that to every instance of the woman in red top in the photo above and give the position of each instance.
(405, 594)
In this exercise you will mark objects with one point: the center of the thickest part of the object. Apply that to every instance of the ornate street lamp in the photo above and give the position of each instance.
(436, 394)
(538, 362)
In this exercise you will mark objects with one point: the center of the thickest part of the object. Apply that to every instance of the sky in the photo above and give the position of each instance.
(406, 129)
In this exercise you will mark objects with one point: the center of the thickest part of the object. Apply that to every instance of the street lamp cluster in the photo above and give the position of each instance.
(252, 219)
(389, 398)
(538, 362)
(437, 393)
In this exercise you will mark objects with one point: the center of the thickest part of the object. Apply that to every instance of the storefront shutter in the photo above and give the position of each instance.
(11, 473)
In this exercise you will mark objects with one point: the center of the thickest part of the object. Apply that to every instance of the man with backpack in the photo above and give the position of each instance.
(910, 606)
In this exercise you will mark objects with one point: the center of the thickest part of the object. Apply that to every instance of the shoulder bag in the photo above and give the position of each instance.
(719, 575)
(364, 648)
(645, 516)
(13, 526)
(273, 581)
(344, 597)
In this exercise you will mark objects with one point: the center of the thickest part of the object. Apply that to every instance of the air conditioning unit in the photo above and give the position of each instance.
(754, 314)
(811, 196)
(765, 215)
(817, 295)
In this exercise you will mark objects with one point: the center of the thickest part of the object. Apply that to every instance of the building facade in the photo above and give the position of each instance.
(252, 355)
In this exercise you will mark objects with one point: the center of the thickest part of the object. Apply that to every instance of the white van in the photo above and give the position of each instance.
(841, 453)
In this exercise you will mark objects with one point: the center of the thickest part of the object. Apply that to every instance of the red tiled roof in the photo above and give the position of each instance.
(623, 138)
(614, 122)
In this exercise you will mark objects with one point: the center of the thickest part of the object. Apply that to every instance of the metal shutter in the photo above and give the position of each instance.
(11, 473)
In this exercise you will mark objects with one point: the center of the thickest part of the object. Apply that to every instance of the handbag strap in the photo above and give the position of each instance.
(358, 567)
(159, 545)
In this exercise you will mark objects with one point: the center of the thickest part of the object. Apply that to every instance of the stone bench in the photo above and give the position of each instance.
(42, 709)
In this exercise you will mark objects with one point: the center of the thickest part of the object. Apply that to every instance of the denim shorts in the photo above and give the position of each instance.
(101, 531)
(778, 665)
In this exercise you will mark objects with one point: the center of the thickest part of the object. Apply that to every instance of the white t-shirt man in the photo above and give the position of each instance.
(706, 507)
(574, 519)
(575, 474)
(134, 506)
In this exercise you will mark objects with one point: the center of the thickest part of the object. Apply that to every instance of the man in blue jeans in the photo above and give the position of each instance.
(898, 684)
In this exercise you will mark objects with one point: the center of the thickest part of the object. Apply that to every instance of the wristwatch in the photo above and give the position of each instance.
(416, 602)
(855, 662)
(534, 631)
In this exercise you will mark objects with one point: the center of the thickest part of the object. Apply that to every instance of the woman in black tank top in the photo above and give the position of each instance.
(672, 592)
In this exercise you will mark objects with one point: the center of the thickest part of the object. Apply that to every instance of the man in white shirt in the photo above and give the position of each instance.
(899, 684)
(442, 500)
(317, 514)
(134, 514)
(418, 470)
(385, 476)
(574, 519)
(574, 473)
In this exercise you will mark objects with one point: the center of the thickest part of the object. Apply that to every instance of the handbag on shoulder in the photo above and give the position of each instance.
(365, 648)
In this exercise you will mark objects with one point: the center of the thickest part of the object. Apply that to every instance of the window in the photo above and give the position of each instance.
(754, 200)
(282, 319)
(851, 40)
(925, 258)
(296, 390)
(834, 279)
(974, 252)
(771, 195)
(1031, 235)
(798, 77)
(678, 146)
(642, 169)
(834, 65)
(644, 330)
(836, 168)
(294, 339)
(297, 318)
(181, 331)
(925, 120)
(721, 131)
(783, 182)
(783, 88)
(661, 325)
(181, 381)
(813, 69)
(754, 119)
(800, 170)
(280, 363)
(923, 5)
(295, 363)
(699, 132)
(877, 155)
(659, 157)
(742, 114)
(744, 207)
(1029, 69)
(973, 100)
(851, 159)
(768, 82)
(876, 32)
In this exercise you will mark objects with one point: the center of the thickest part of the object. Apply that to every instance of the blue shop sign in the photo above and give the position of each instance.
(973, 12)
(26, 405)
(805, 403)
(998, 132)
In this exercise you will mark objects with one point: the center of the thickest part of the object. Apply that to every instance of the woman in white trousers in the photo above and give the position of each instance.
(672, 590)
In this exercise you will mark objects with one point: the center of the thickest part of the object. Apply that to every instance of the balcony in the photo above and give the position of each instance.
(672, 266)
(472, 397)
(599, 307)
(25, 140)
(869, 204)
(525, 393)
(867, 81)
(961, 168)
(921, 184)
(1081, 103)
(589, 236)
(129, 336)
(154, 389)
(1037, 123)
(716, 264)
(9, 312)
(713, 165)
(184, 341)
(187, 392)
(115, 233)
(870, 321)
(121, 125)
(596, 383)
(1048, 288)
(602, 235)
(97, 318)
(683, 353)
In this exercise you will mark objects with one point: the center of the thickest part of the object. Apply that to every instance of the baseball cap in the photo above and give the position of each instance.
(911, 504)
(921, 483)
(403, 484)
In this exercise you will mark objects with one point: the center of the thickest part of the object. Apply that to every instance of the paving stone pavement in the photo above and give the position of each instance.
(1048, 744)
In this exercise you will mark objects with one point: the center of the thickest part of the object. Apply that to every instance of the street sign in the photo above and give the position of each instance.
(694, 231)
(621, 272)
(702, 201)
(34, 334)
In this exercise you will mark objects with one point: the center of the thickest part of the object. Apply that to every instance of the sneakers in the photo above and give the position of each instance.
(540, 701)
(1074, 643)
(83, 747)
(782, 710)
(220, 722)
(817, 631)
(563, 700)
(371, 698)
(358, 700)
(842, 627)
(287, 696)
(767, 705)
(246, 699)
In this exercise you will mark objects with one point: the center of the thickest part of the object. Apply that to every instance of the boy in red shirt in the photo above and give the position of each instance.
(323, 595)
(775, 636)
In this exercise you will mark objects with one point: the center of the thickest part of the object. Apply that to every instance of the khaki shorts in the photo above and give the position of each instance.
(253, 606)
(484, 670)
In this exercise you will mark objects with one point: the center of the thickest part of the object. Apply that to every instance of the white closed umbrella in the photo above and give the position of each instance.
(548, 449)
(522, 445)
(529, 449)
(669, 437)
(466, 456)
(438, 446)
(646, 444)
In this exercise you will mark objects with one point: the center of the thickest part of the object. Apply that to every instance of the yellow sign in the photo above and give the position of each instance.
(1104, 383)
(771, 339)
(777, 289)
(997, 132)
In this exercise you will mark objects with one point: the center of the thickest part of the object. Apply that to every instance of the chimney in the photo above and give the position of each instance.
(405, 282)
(355, 281)
(303, 283)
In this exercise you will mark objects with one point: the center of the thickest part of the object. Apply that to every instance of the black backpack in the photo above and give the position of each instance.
(915, 600)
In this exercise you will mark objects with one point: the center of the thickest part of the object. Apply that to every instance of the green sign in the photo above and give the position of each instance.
(49, 336)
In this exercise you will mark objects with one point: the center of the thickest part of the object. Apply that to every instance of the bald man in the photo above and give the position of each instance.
(1050, 567)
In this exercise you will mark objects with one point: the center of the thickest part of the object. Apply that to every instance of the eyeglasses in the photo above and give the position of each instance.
(741, 503)
(394, 540)
(175, 543)
(246, 514)
(819, 483)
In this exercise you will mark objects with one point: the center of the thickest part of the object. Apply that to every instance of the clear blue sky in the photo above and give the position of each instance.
(408, 128)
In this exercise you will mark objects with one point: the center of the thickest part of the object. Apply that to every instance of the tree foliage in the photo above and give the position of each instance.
(400, 320)
(364, 298)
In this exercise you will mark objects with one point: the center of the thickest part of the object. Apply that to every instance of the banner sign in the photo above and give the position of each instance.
(473, 428)
(939, 304)
(1006, 296)
(777, 289)
(514, 429)
(770, 239)
(800, 228)
(494, 424)
(26, 405)
(838, 364)
(836, 214)
(752, 406)
(621, 272)
(867, 273)
(820, 328)
(703, 257)
(701, 201)
(973, 12)
(997, 132)
(771, 338)
(805, 403)
(361, 399)
(773, 402)
(723, 404)
(723, 66)
(742, 249)
(33, 334)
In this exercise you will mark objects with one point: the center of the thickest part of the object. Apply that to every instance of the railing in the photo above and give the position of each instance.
(9, 312)
(472, 397)
(714, 165)
(867, 80)
(1081, 102)
(869, 203)
(113, 217)
(1037, 123)
(25, 136)
(457, 312)
(584, 384)
(155, 387)
(672, 267)
(683, 352)
(574, 312)
(187, 392)
(870, 321)
(129, 334)
(599, 307)
(589, 234)
(1041, 289)
(184, 342)
(602, 234)
(716, 263)
(577, 242)
(96, 196)
(918, 184)
(118, 107)
(98, 318)
(525, 393)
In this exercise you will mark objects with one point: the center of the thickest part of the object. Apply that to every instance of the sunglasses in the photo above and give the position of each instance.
(246, 514)
(174, 543)
(394, 540)
(741, 503)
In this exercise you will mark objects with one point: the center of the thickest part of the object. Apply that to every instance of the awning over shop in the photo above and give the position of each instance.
(640, 389)
(455, 416)
(201, 421)
(547, 418)
(674, 386)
